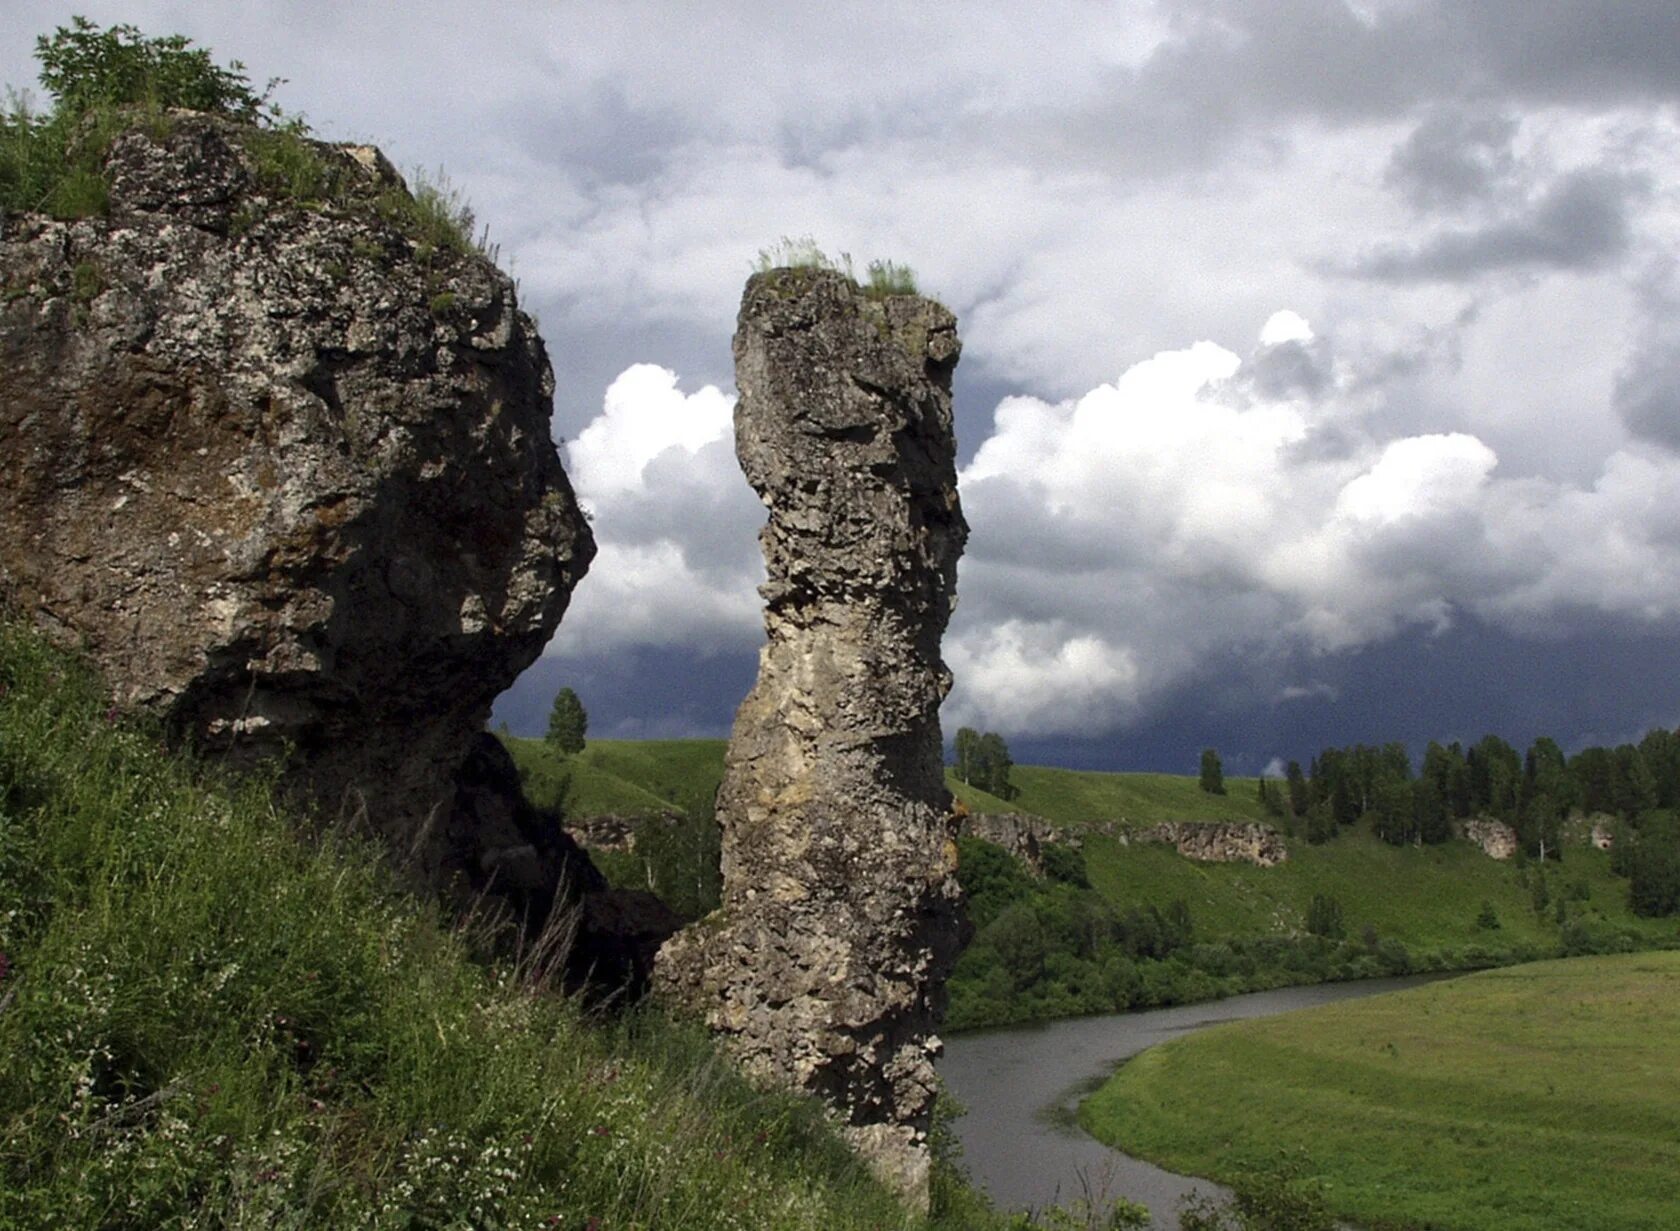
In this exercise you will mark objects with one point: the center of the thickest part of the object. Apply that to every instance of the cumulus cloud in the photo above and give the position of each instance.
(676, 524)
(1124, 539)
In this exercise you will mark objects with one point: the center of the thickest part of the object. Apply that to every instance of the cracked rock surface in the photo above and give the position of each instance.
(824, 967)
(283, 470)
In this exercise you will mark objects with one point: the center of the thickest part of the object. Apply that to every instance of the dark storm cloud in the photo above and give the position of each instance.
(1648, 392)
(1579, 223)
(1230, 67)
(1453, 158)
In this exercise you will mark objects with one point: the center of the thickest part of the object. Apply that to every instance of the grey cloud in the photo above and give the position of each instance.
(1232, 67)
(1647, 395)
(1579, 223)
(1288, 370)
(1452, 158)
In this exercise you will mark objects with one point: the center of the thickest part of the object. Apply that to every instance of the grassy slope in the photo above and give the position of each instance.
(1068, 796)
(1523, 1099)
(207, 1022)
(1427, 897)
(630, 776)
(624, 777)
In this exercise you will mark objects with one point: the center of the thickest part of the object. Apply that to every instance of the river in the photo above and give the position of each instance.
(1022, 1085)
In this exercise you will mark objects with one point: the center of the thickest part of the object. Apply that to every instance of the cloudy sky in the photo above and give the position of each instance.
(1321, 370)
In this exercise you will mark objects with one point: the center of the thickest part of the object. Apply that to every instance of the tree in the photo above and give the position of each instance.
(1213, 775)
(567, 722)
(967, 746)
(1654, 886)
(84, 66)
(992, 766)
(1324, 917)
(1300, 798)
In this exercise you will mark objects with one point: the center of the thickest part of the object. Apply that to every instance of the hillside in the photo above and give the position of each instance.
(626, 777)
(210, 1022)
(1154, 927)
(1525, 1099)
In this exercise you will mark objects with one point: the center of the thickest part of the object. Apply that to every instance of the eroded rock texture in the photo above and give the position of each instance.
(283, 468)
(825, 966)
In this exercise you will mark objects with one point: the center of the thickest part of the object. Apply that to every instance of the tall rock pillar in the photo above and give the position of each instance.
(824, 968)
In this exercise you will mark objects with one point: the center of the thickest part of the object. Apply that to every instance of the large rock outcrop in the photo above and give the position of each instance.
(1212, 841)
(824, 968)
(277, 456)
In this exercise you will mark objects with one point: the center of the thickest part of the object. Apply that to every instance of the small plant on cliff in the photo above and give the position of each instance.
(105, 81)
(881, 278)
(99, 79)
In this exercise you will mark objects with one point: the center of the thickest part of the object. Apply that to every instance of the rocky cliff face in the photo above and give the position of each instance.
(1497, 839)
(281, 464)
(824, 967)
(1022, 834)
(1213, 841)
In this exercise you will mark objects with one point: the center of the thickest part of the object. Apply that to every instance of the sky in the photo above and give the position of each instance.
(1321, 358)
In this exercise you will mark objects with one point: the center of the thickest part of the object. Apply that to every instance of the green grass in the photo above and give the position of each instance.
(621, 777)
(1070, 796)
(1525, 1099)
(209, 1022)
(881, 279)
(1427, 897)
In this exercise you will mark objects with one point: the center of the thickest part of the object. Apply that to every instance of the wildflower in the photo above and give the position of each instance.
(110, 714)
(5, 966)
(600, 1130)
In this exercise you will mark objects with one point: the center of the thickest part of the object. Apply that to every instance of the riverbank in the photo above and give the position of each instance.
(1021, 1086)
(1522, 1099)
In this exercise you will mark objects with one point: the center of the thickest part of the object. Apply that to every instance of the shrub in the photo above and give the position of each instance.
(1324, 917)
(103, 81)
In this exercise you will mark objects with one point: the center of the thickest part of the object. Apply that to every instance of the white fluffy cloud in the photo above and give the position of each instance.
(1124, 537)
(675, 523)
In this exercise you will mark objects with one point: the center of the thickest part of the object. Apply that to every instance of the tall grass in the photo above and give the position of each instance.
(207, 1022)
(880, 280)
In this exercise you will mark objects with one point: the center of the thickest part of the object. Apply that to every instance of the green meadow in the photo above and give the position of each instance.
(1532, 1098)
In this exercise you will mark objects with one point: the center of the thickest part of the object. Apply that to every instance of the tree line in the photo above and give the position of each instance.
(1636, 785)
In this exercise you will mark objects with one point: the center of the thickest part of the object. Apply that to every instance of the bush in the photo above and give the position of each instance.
(1280, 1196)
(1324, 917)
(103, 81)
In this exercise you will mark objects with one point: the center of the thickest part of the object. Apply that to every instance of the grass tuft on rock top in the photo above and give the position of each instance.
(106, 81)
(880, 279)
(209, 1022)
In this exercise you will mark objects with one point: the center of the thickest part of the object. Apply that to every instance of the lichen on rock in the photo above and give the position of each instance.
(824, 967)
(282, 468)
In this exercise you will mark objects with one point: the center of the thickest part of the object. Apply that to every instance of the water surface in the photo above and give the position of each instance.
(1022, 1085)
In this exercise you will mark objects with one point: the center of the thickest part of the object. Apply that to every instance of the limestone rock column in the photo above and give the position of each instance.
(824, 968)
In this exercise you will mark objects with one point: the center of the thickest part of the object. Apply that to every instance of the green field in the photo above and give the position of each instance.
(1428, 897)
(1071, 796)
(1531, 1098)
(620, 776)
(628, 777)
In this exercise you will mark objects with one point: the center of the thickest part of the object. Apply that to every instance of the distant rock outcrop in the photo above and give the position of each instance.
(824, 968)
(280, 464)
(1022, 834)
(1497, 839)
(1214, 841)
